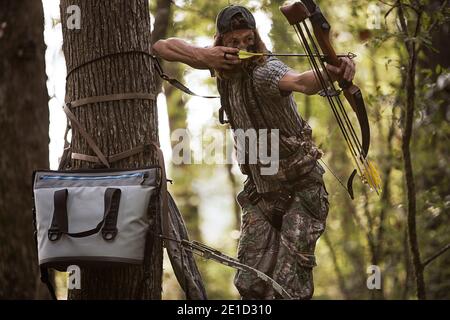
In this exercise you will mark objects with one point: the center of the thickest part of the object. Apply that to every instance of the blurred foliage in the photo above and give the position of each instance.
(371, 229)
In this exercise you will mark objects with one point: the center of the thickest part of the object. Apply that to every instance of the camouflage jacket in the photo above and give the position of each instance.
(253, 100)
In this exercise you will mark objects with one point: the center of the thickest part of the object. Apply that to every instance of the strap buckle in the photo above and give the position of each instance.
(222, 119)
(54, 234)
(281, 204)
(109, 234)
(159, 68)
(252, 194)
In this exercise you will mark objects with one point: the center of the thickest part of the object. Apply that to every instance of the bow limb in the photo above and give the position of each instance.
(296, 14)
(354, 97)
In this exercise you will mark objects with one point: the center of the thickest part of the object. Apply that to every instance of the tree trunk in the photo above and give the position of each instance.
(162, 17)
(112, 26)
(410, 86)
(337, 268)
(234, 191)
(183, 174)
(24, 142)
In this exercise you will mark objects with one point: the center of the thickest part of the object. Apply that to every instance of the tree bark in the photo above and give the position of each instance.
(112, 26)
(24, 141)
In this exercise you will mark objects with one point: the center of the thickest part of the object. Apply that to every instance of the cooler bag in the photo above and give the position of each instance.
(92, 217)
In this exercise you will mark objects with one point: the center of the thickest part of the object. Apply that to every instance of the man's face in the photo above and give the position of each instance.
(243, 39)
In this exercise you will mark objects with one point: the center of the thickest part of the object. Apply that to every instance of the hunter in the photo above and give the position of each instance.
(283, 214)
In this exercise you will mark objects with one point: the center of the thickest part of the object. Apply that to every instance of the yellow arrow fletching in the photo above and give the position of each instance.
(372, 176)
(246, 55)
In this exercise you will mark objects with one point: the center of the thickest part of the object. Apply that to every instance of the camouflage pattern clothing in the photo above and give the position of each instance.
(252, 100)
(288, 255)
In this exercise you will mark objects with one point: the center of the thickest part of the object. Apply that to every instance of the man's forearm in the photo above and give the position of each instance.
(311, 82)
(174, 49)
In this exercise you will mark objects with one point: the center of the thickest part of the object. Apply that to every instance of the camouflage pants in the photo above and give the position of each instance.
(287, 256)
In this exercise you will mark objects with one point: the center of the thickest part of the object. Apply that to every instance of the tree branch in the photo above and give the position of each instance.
(435, 23)
(436, 255)
(190, 9)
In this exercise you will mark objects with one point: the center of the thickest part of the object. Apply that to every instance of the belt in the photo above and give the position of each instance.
(313, 177)
(281, 199)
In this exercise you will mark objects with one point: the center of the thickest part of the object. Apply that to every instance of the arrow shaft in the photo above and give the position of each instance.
(298, 55)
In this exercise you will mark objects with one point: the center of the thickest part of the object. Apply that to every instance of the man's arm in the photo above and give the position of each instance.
(307, 83)
(174, 49)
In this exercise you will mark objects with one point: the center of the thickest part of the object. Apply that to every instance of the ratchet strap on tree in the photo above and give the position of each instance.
(101, 158)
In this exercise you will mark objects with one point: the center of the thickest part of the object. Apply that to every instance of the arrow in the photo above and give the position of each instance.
(246, 55)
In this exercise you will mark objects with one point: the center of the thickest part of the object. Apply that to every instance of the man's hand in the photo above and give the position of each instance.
(307, 83)
(219, 58)
(345, 71)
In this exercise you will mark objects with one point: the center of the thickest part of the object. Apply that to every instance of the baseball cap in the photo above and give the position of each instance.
(223, 21)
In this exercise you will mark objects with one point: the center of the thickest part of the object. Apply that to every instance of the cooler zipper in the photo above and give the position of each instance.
(117, 177)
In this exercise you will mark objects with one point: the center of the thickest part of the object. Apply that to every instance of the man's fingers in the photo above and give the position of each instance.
(348, 73)
(333, 68)
(230, 50)
(229, 53)
(231, 57)
(353, 70)
(344, 64)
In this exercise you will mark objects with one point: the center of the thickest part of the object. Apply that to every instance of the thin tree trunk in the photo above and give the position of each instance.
(372, 242)
(234, 191)
(378, 233)
(410, 87)
(408, 266)
(337, 268)
(183, 174)
(111, 26)
(24, 142)
(163, 16)
(351, 227)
